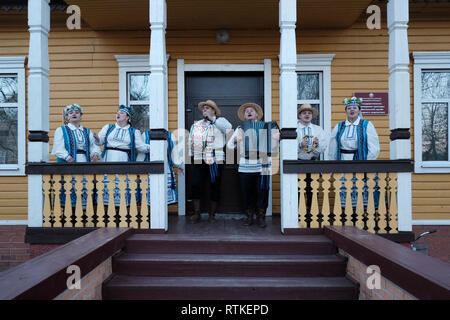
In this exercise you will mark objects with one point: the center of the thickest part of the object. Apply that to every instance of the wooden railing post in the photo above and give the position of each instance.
(159, 112)
(288, 111)
(399, 103)
(38, 102)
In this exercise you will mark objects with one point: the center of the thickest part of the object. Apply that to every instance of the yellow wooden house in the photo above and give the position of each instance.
(163, 57)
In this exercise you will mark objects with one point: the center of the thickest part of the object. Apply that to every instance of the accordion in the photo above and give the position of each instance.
(258, 139)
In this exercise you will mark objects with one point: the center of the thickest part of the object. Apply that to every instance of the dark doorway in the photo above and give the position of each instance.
(229, 90)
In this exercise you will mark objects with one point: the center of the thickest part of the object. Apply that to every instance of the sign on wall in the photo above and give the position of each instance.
(374, 103)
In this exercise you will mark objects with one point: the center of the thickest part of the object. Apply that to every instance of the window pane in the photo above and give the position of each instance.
(8, 136)
(435, 85)
(8, 89)
(138, 87)
(308, 86)
(139, 117)
(435, 132)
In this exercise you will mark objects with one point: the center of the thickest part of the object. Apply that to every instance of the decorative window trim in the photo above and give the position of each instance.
(16, 65)
(131, 63)
(439, 60)
(320, 63)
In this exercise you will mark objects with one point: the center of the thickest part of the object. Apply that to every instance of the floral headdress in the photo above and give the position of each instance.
(71, 107)
(353, 101)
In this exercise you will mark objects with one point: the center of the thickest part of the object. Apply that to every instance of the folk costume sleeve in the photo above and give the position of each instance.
(373, 143)
(323, 141)
(141, 146)
(94, 148)
(332, 148)
(59, 149)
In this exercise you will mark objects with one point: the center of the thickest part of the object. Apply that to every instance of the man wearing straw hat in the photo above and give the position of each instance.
(312, 139)
(206, 142)
(255, 146)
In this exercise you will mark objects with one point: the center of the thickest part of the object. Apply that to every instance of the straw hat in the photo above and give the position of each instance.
(307, 107)
(211, 104)
(257, 108)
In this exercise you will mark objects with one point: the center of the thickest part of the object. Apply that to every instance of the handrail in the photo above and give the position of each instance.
(45, 277)
(334, 166)
(154, 167)
(423, 276)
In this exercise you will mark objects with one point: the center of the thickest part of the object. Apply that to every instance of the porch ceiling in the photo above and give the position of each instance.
(230, 14)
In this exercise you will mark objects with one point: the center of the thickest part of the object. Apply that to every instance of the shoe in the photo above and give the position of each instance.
(249, 220)
(195, 218)
(212, 211)
(261, 218)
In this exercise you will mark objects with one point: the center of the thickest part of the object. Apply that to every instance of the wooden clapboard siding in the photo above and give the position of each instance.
(430, 192)
(14, 38)
(83, 70)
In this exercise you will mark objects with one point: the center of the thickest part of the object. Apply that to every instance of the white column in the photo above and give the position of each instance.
(288, 110)
(38, 102)
(158, 111)
(399, 102)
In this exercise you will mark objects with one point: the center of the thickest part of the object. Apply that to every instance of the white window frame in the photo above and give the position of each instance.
(426, 61)
(320, 63)
(16, 65)
(138, 63)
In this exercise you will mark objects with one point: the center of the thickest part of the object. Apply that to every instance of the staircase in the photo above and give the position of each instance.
(186, 266)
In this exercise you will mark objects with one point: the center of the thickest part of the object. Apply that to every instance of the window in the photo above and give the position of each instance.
(134, 71)
(138, 99)
(431, 111)
(314, 86)
(12, 116)
(309, 90)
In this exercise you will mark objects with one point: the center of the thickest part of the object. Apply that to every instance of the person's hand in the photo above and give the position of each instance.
(316, 141)
(305, 143)
(70, 159)
(95, 157)
(96, 137)
(180, 171)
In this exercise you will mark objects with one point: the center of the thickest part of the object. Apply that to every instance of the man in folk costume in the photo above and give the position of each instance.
(206, 142)
(312, 141)
(256, 140)
(74, 143)
(354, 139)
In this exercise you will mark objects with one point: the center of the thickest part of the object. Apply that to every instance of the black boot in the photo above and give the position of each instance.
(261, 217)
(195, 218)
(212, 211)
(249, 220)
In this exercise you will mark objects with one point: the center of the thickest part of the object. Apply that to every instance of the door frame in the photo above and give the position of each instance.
(182, 68)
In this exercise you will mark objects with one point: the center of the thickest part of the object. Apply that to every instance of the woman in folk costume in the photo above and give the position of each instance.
(206, 142)
(120, 142)
(354, 139)
(172, 194)
(74, 143)
(312, 139)
(255, 148)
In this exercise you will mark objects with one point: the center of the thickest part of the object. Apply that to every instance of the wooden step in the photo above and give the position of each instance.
(229, 288)
(223, 244)
(228, 265)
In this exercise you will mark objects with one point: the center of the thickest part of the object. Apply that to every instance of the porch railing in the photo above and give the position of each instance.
(115, 194)
(351, 193)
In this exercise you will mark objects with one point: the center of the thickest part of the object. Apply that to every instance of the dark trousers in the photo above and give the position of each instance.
(252, 196)
(202, 175)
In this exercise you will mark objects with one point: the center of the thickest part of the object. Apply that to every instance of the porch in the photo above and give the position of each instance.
(329, 207)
